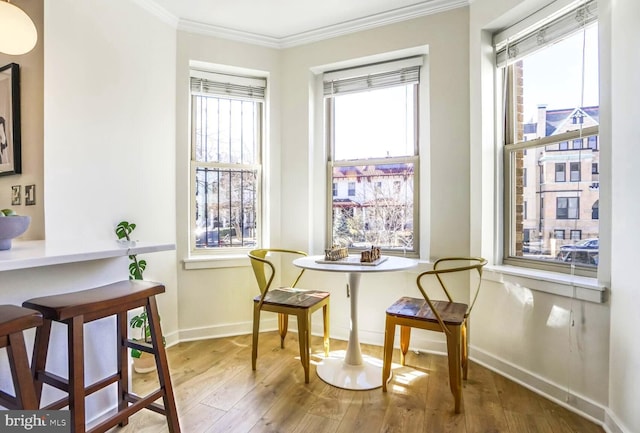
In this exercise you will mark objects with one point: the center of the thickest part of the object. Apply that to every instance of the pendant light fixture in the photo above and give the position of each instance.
(18, 33)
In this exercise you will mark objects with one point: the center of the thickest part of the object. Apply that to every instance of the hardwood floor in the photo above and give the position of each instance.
(216, 391)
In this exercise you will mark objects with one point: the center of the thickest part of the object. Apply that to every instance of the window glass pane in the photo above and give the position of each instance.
(560, 87)
(575, 172)
(560, 216)
(380, 210)
(560, 177)
(225, 130)
(551, 208)
(374, 124)
(226, 205)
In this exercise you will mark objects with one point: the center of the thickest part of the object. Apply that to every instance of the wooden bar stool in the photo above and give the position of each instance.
(14, 320)
(74, 310)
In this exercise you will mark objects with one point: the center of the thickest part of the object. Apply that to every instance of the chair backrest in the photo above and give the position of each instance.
(260, 263)
(452, 265)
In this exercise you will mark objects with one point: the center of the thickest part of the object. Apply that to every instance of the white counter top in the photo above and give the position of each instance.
(31, 254)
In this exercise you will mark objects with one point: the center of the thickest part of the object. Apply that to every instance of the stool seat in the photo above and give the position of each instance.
(80, 307)
(14, 320)
(96, 303)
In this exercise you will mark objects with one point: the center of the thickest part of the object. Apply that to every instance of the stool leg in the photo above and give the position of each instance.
(39, 361)
(76, 373)
(20, 372)
(163, 366)
(123, 364)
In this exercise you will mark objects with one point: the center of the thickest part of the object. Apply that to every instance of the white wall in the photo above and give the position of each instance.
(109, 129)
(625, 301)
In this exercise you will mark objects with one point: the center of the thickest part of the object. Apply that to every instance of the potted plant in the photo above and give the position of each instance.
(143, 362)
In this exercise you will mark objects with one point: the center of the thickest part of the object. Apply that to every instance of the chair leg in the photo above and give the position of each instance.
(303, 340)
(122, 362)
(389, 336)
(283, 325)
(21, 375)
(75, 332)
(455, 365)
(40, 350)
(405, 336)
(325, 321)
(162, 364)
(465, 349)
(256, 331)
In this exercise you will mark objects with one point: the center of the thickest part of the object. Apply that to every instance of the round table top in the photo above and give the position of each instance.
(352, 264)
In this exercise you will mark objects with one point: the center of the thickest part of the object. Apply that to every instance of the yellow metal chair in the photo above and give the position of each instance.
(286, 301)
(437, 315)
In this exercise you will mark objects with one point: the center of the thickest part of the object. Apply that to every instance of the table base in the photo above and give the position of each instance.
(336, 372)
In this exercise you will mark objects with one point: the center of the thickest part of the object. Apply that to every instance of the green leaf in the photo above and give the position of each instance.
(123, 229)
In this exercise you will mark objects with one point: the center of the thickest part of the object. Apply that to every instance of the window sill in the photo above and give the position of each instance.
(216, 262)
(571, 286)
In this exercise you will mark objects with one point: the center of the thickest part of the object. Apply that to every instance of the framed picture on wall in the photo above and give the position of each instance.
(10, 150)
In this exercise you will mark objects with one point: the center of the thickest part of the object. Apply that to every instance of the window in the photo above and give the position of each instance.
(226, 144)
(351, 189)
(558, 234)
(372, 137)
(553, 115)
(574, 172)
(334, 189)
(560, 172)
(567, 208)
(575, 235)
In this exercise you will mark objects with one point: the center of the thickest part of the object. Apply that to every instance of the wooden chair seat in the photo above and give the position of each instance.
(452, 313)
(74, 310)
(13, 321)
(286, 301)
(445, 316)
(293, 297)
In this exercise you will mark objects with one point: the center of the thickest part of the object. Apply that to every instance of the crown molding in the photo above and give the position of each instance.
(227, 33)
(401, 14)
(158, 11)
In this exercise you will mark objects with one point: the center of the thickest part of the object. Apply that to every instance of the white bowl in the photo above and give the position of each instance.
(11, 227)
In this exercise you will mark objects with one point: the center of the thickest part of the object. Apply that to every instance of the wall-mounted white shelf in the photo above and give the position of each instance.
(31, 254)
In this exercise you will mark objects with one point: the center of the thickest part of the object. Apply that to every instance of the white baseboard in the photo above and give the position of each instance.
(612, 424)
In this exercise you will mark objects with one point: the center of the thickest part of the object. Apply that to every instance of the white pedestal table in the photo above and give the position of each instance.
(353, 371)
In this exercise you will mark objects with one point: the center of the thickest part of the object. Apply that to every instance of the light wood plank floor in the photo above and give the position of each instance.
(216, 391)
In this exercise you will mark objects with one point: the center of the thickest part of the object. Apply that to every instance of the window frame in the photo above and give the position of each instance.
(258, 165)
(563, 19)
(509, 170)
(329, 122)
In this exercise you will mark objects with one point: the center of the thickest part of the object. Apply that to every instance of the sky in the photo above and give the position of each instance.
(553, 76)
